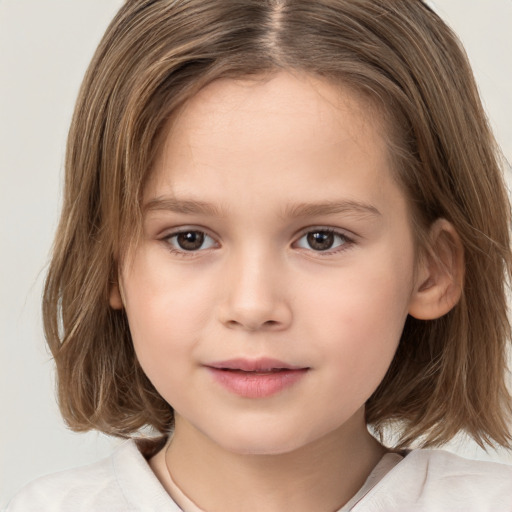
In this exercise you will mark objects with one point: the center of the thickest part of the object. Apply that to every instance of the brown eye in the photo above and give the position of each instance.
(190, 241)
(323, 240)
(320, 240)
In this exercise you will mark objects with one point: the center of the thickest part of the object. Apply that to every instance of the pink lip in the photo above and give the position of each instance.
(258, 378)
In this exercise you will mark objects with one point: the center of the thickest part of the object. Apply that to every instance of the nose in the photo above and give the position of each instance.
(255, 295)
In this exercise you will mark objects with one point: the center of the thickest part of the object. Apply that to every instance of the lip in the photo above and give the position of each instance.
(258, 378)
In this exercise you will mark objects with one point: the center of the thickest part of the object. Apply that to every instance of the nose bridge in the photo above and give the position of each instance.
(255, 297)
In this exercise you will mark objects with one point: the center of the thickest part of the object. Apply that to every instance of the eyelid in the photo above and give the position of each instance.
(350, 239)
(171, 233)
(184, 228)
(348, 236)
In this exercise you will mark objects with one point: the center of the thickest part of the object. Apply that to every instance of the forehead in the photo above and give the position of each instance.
(279, 121)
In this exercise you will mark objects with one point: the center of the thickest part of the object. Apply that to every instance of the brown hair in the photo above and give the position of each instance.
(448, 375)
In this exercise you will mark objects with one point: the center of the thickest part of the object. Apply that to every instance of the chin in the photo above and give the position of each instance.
(264, 441)
(261, 447)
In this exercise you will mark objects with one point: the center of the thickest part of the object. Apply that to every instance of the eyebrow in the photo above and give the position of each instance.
(194, 207)
(331, 208)
(190, 207)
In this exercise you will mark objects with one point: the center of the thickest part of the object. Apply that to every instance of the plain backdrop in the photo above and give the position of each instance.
(45, 47)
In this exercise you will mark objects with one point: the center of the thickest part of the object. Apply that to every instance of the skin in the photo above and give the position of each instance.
(261, 153)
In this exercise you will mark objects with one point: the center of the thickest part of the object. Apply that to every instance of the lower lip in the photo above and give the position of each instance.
(257, 385)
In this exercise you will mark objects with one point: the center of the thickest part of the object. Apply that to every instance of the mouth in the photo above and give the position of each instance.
(262, 365)
(263, 371)
(256, 378)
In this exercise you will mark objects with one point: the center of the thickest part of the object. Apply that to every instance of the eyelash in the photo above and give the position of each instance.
(168, 239)
(345, 244)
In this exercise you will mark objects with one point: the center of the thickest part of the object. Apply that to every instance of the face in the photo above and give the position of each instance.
(267, 297)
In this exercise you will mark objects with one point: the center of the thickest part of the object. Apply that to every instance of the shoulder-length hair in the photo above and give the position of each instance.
(448, 374)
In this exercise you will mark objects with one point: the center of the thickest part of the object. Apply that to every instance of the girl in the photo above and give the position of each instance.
(284, 224)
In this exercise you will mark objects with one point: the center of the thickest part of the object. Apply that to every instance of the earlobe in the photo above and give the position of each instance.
(440, 274)
(115, 298)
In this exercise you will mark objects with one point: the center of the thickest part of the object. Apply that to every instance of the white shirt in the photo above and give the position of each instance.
(423, 481)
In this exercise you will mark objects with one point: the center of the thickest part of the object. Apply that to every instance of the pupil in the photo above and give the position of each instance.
(190, 240)
(321, 240)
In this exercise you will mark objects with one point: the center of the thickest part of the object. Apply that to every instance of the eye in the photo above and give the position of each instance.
(323, 240)
(189, 241)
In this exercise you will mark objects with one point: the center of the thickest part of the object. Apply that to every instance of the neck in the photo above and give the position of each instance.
(321, 476)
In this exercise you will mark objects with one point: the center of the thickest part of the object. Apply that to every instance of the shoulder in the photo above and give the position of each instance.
(118, 483)
(437, 481)
(444, 469)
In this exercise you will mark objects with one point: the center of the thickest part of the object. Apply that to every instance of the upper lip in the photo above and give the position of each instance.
(254, 365)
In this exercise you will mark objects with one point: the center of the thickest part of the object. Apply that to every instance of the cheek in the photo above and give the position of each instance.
(358, 317)
(167, 311)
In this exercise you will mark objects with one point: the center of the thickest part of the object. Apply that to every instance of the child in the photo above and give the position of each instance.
(284, 223)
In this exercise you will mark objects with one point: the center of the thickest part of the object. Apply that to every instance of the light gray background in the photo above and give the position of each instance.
(45, 47)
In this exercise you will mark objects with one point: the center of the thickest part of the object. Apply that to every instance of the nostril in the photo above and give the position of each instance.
(254, 317)
(269, 324)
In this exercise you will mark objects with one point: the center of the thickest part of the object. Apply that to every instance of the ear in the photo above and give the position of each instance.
(115, 298)
(440, 273)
